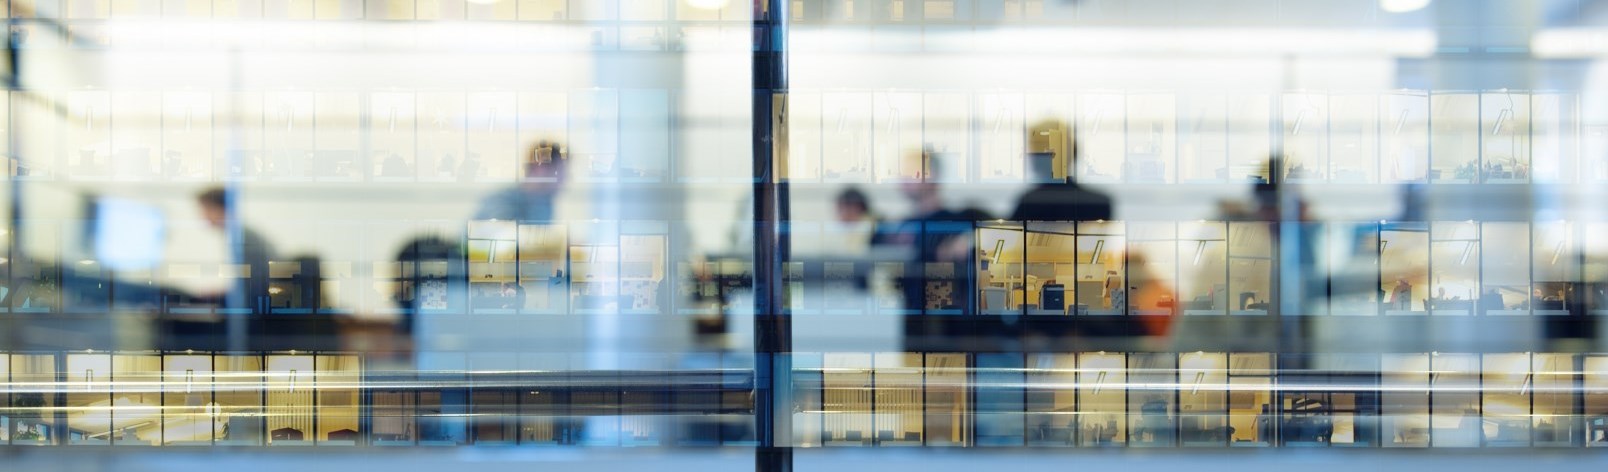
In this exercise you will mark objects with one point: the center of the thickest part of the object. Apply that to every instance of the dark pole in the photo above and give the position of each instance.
(773, 337)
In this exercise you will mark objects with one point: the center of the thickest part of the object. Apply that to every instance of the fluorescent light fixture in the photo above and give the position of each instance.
(1099, 116)
(1185, 42)
(1569, 43)
(1099, 246)
(1199, 377)
(1401, 120)
(1199, 249)
(1098, 380)
(1299, 117)
(1524, 389)
(707, 4)
(1468, 249)
(1500, 119)
(1556, 252)
(1403, 6)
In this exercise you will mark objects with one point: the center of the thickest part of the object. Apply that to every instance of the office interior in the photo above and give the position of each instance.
(1068, 400)
(1344, 241)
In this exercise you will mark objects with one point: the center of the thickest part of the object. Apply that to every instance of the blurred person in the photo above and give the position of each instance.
(546, 169)
(861, 224)
(1401, 297)
(935, 235)
(250, 250)
(513, 295)
(427, 288)
(1115, 293)
(1055, 199)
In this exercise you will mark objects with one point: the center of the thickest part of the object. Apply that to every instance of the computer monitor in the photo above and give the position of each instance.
(127, 234)
(1052, 297)
(1041, 167)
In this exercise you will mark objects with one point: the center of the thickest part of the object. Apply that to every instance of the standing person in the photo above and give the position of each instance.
(1054, 199)
(1116, 293)
(253, 252)
(1402, 295)
(860, 223)
(532, 199)
(937, 236)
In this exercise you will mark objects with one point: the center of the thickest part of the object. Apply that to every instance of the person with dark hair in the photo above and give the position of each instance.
(513, 296)
(546, 169)
(938, 236)
(249, 249)
(1057, 199)
(859, 221)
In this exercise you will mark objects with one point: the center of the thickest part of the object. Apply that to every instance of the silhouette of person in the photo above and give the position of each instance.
(254, 252)
(532, 199)
(937, 235)
(1054, 199)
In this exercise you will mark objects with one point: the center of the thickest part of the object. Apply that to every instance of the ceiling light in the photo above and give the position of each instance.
(708, 4)
(1402, 6)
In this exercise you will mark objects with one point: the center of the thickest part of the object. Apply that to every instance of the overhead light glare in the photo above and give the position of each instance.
(1403, 6)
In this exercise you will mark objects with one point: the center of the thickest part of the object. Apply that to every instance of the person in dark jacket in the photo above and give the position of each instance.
(1057, 199)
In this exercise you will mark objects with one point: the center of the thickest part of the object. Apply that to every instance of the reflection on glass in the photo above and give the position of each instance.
(1250, 268)
(1151, 142)
(1153, 261)
(1000, 139)
(1306, 137)
(1203, 270)
(1552, 392)
(1454, 138)
(1555, 266)
(290, 385)
(190, 414)
(1202, 400)
(1005, 284)
(1354, 138)
(898, 417)
(1404, 137)
(1102, 288)
(947, 422)
(1454, 401)
(239, 397)
(846, 405)
(1103, 406)
(1404, 267)
(1553, 142)
(1508, 382)
(1103, 137)
(1051, 400)
(1506, 145)
(1203, 139)
(1596, 401)
(1250, 399)
(1505, 270)
(91, 400)
(1454, 267)
(1404, 403)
